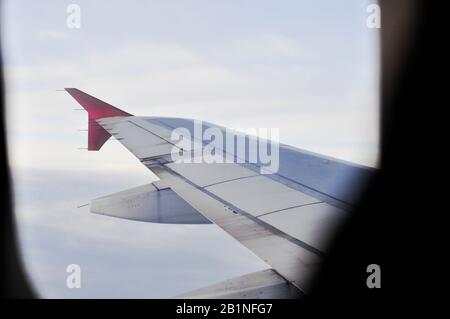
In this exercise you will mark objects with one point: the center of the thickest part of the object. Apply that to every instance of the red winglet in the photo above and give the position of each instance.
(97, 109)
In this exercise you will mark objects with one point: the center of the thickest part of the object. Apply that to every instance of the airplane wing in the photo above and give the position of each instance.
(285, 216)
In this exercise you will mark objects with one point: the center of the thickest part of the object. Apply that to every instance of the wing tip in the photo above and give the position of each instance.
(96, 109)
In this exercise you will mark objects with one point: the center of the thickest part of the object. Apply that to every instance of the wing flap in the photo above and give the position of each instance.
(313, 224)
(264, 284)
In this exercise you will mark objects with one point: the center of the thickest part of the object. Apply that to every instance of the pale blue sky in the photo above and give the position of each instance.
(309, 68)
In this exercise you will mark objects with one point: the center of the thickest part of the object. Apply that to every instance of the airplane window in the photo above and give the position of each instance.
(309, 69)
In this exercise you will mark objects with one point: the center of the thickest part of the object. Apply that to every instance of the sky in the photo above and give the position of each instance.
(309, 68)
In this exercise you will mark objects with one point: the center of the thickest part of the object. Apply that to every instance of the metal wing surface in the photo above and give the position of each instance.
(286, 217)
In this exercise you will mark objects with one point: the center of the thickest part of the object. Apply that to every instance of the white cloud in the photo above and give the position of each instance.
(264, 48)
(51, 34)
(170, 80)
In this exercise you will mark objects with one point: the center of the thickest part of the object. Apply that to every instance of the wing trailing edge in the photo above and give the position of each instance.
(263, 284)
